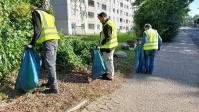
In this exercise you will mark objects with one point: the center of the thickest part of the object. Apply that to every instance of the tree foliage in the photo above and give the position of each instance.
(164, 15)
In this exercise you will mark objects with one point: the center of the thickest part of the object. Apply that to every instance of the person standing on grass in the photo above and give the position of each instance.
(108, 43)
(152, 42)
(45, 32)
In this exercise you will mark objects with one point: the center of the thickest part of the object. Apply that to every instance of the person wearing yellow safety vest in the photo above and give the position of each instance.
(151, 41)
(45, 33)
(108, 43)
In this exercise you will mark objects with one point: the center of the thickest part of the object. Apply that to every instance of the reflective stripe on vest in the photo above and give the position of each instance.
(152, 40)
(113, 41)
(49, 31)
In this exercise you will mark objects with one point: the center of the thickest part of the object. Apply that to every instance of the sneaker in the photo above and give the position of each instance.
(49, 91)
(47, 85)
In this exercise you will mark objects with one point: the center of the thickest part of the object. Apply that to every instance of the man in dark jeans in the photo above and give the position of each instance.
(152, 42)
(46, 33)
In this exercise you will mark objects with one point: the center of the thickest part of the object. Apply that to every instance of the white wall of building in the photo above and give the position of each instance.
(68, 14)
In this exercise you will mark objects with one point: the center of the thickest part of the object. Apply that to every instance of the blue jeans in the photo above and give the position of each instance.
(149, 60)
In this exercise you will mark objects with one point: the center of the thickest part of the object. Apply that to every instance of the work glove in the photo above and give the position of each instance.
(98, 47)
(29, 46)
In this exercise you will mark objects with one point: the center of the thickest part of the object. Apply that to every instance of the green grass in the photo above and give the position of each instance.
(128, 63)
(122, 37)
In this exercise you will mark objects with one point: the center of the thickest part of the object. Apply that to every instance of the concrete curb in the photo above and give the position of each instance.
(80, 104)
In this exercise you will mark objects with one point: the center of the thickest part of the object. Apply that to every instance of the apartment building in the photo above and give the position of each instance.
(81, 17)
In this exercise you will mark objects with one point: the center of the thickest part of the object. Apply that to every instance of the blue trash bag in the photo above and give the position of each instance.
(29, 72)
(98, 65)
(139, 59)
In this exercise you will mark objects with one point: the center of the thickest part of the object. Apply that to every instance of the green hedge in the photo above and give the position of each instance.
(16, 32)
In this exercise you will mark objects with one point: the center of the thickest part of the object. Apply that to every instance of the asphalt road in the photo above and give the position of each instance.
(173, 87)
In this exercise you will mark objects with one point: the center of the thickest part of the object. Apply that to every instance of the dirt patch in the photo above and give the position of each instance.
(73, 87)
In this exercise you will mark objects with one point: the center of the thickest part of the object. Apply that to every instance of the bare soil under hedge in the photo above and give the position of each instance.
(73, 87)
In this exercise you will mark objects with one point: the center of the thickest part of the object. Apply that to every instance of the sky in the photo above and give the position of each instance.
(194, 6)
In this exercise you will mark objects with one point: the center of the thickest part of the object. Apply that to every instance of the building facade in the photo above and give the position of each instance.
(81, 17)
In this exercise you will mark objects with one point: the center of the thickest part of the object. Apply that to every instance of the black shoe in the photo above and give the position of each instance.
(146, 72)
(104, 75)
(45, 85)
(106, 78)
(49, 91)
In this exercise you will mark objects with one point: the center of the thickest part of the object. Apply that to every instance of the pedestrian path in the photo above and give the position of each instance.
(174, 86)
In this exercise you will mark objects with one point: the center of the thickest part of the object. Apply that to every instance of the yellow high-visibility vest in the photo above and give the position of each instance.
(152, 39)
(113, 41)
(49, 31)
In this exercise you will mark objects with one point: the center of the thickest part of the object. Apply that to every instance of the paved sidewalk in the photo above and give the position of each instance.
(174, 86)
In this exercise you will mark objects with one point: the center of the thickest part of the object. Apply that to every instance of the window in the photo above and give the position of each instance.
(73, 11)
(127, 14)
(98, 26)
(73, 26)
(91, 15)
(120, 19)
(114, 1)
(117, 11)
(121, 12)
(109, 8)
(103, 7)
(83, 13)
(113, 9)
(81, 1)
(98, 5)
(121, 4)
(109, 17)
(120, 27)
(127, 7)
(118, 3)
(91, 26)
(91, 3)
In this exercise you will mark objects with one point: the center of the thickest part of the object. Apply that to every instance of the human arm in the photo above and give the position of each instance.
(37, 27)
(144, 38)
(107, 30)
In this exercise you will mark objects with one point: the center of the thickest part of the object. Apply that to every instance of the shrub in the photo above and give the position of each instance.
(74, 52)
(16, 31)
(14, 35)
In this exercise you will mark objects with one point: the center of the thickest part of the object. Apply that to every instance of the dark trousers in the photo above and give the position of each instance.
(149, 60)
(50, 55)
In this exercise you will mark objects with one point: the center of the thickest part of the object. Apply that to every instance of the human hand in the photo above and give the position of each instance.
(29, 46)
